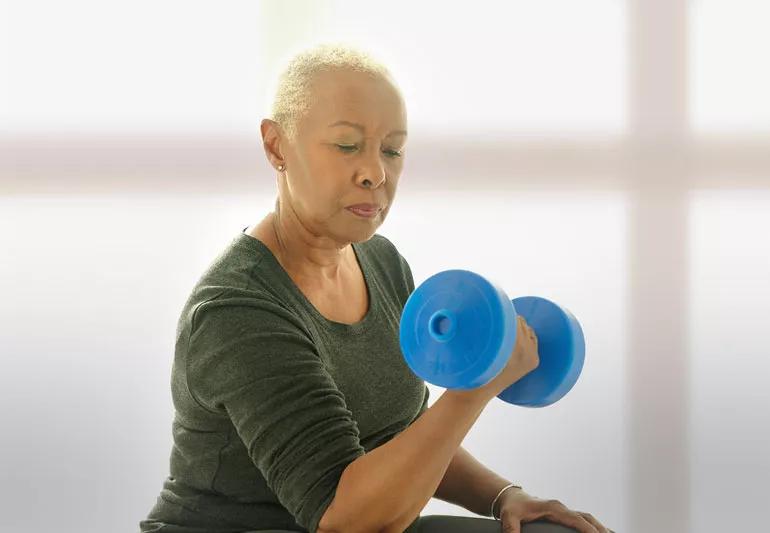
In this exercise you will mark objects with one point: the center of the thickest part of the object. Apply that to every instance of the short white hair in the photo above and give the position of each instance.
(292, 91)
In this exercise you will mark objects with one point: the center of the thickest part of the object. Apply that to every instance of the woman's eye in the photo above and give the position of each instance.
(348, 148)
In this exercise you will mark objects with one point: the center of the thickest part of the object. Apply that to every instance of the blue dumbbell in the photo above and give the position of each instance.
(458, 330)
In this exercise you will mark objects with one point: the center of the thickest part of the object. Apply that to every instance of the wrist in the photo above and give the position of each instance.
(477, 397)
(496, 503)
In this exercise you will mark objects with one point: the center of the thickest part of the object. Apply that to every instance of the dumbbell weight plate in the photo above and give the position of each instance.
(455, 330)
(561, 347)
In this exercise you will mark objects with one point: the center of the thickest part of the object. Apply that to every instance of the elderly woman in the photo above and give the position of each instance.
(295, 410)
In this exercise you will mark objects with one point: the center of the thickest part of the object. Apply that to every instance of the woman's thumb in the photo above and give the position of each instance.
(511, 525)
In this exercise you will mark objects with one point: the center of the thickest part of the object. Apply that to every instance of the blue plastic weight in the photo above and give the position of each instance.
(561, 347)
(458, 330)
(454, 329)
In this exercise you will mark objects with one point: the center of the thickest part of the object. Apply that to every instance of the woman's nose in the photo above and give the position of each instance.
(373, 172)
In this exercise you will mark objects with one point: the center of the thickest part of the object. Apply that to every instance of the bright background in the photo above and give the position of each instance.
(611, 155)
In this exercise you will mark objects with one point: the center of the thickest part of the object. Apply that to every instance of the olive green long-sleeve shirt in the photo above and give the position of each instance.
(273, 400)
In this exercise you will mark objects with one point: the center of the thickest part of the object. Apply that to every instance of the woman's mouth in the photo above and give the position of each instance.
(361, 211)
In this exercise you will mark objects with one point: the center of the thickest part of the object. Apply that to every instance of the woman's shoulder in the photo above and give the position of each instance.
(240, 275)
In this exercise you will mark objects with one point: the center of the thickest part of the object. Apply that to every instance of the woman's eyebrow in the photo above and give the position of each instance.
(360, 127)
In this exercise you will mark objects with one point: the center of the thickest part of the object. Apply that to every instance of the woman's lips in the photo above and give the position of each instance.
(362, 211)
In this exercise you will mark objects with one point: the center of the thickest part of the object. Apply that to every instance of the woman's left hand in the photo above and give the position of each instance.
(516, 506)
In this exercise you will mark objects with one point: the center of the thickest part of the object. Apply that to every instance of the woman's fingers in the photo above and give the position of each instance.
(590, 518)
(559, 513)
(555, 511)
(527, 329)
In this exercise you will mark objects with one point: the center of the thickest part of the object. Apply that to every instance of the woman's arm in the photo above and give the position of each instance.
(470, 484)
(385, 489)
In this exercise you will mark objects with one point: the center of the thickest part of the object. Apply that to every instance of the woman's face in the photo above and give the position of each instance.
(328, 162)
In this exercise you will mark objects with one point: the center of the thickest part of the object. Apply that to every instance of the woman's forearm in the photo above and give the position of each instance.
(385, 489)
(469, 484)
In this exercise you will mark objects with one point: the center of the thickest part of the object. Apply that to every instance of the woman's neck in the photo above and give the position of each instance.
(300, 252)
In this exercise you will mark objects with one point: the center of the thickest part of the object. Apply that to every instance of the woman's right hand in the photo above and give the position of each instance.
(523, 360)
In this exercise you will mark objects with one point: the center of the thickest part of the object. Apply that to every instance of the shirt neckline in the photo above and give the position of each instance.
(333, 325)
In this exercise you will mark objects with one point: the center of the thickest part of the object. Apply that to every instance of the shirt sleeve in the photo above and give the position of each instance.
(255, 361)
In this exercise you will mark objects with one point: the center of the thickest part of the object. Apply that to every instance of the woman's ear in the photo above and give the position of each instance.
(272, 139)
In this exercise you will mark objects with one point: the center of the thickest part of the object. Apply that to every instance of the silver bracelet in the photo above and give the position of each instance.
(492, 508)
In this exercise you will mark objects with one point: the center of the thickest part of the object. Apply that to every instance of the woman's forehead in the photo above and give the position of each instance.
(365, 121)
(359, 114)
(362, 127)
(352, 101)
(355, 89)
